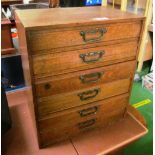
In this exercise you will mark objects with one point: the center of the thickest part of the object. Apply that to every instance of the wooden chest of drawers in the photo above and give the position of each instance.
(80, 64)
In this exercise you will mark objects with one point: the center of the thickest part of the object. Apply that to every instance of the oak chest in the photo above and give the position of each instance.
(79, 64)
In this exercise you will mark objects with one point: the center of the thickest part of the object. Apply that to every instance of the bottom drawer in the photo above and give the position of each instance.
(63, 125)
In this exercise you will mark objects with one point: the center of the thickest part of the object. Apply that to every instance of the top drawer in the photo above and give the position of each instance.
(59, 38)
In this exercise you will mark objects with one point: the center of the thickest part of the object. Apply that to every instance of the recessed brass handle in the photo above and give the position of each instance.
(87, 123)
(91, 56)
(90, 78)
(99, 31)
(88, 111)
(89, 94)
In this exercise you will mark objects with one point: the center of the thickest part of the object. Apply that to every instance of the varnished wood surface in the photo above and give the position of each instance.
(63, 101)
(122, 133)
(74, 81)
(11, 2)
(86, 46)
(52, 137)
(71, 122)
(21, 139)
(27, 70)
(43, 39)
(51, 48)
(6, 42)
(23, 48)
(137, 114)
(58, 63)
(59, 17)
(85, 112)
(6, 37)
(8, 51)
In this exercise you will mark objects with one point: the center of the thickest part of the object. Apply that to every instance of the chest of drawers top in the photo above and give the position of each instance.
(77, 16)
(52, 30)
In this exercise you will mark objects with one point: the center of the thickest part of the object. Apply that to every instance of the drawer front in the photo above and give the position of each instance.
(64, 62)
(75, 120)
(60, 38)
(60, 102)
(84, 79)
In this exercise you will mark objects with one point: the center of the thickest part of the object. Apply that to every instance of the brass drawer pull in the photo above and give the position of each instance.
(91, 56)
(88, 111)
(90, 78)
(88, 94)
(86, 123)
(99, 31)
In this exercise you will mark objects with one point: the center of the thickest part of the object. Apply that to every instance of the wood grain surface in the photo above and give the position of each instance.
(60, 102)
(83, 79)
(71, 122)
(77, 59)
(64, 62)
(77, 16)
(43, 39)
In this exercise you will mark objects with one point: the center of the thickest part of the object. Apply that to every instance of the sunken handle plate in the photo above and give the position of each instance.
(90, 78)
(91, 56)
(98, 31)
(88, 111)
(88, 94)
(86, 124)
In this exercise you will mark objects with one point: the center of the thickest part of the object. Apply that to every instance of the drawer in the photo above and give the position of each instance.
(83, 79)
(60, 102)
(69, 123)
(60, 38)
(58, 63)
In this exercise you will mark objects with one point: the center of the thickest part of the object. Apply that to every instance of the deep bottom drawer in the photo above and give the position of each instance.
(63, 125)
